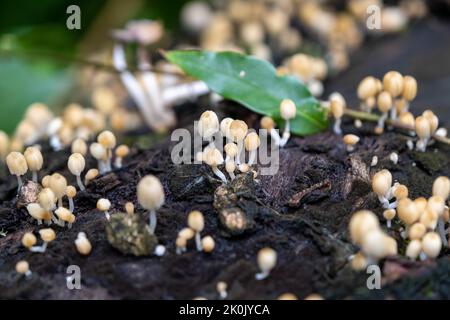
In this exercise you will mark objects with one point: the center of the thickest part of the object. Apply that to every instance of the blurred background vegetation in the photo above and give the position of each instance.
(38, 52)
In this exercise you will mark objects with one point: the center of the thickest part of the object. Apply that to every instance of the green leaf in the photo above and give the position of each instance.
(254, 84)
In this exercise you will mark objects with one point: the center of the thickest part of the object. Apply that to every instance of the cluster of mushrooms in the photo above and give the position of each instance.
(422, 222)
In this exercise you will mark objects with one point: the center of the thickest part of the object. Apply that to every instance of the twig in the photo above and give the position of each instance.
(395, 123)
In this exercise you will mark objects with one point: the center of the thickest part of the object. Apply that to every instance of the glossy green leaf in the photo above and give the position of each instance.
(254, 84)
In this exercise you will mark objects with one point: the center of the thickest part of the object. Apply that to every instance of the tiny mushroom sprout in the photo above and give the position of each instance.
(366, 91)
(208, 125)
(382, 186)
(29, 240)
(431, 246)
(196, 222)
(384, 102)
(35, 161)
(225, 128)
(71, 192)
(423, 131)
(267, 259)
(64, 215)
(108, 141)
(39, 213)
(409, 91)
(231, 150)
(350, 140)
(17, 166)
(121, 152)
(393, 84)
(208, 244)
(76, 165)
(100, 154)
(221, 288)
(91, 175)
(213, 157)
(22, 267)
(238, 131)
(183, 236)
(58, 184)
(150, 194)
(389, 214)
(83, 244)
(288, 111)
(337, 107)
(79, 146)
(252, 143)
(47, 236)
(268, 124)
(129, 208)
(104, 205)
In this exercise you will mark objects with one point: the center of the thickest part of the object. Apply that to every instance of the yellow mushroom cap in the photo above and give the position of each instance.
(359, 262)
(150, 193)
(129, 207)
(401, 191)
(212, 157)
(413, 249)
(314, 296)
(267, 123)
(91, 174)
(378, 245)
(431, 244)
(231, 149)
(384, 101)
(47, 235)
(58, 184)
(238, 130)
(122, 151)
(252, 141)
(367, 88)
(409, 88)
(107, 139)
(361, 223)
(436, 204)
(221, 286)
(441, 187)
(28, 240)
(64, 214)
(46, 181)
(196, 221)
(98, 151)
(181, 242)
(389, 214)
(22, 267)
(432, 119)
(337, 108)
(350, 139)
(408, 211)
(47, 199)
(417, 231)
(422, 126)
(103, 204)
(208, 244)
(76, 164)
(186, 233)
(393, 83)
(381, 182)
(407, 118)
(267, 259)
(83, 244)
(287, 296)
(71, 191)
(73, 114)
(225, 126)
(208, 124)
(421, 203)
(37, 212)
(79, 146)
(16, 163)
(34, 159)
(288, 110)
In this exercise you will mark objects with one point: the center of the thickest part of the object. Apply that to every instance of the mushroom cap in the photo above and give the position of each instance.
(208, 244)
(339, 97)
(79, 146)
(384, 101)
(429, 218)
(407, 118)
(409, 88)
(16, 163)
(34, 158)
(29, 240)
(393, 83)
(267, 123)
(64, 214)
(47, 235)
(103, 204)
(378, 245)
(381, 182)
(436, 204)
(37, 212)
(361, 223)
(208, 124)
(129, 207)
(107, 139)
(225, 126)
(238, 130)
(288, 110)
(91, 174)
(359, 262)
(231, 149)
(22, 267)
(421, 203)
(337, 108)
(196, 221)
(181, 242)
(367, 88)
(76, 164)
(431, 244)
(252, 141)
(408, 211)
(441, 187)
(350, 139)
(83, 244)
(389, 214)
(98, 151)
(413, 249)
(433, 120)
(212, 157)
(422, 126)
(267, 259)
(71, 191)
(122, 151)
(401, 191)
(150, 193)
(104, 100)
(58, 184)
(314, 296)
(47, 199)
(186, 233)
(417, 231)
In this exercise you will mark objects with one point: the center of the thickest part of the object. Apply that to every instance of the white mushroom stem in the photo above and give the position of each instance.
(198, 241)
(337, 126)
(55, 143)
(118, 162)
(275, 136)
(71, 205)
(252, 157)
(389, 223)
(240, 145)
(107, 215)
(421, 144)
(184, 91)
(232, 175)
(382, 120)
(19, 183)
(385, 202)
(262, 275)
(423, 256)
(442, 233)
(28, 274)
(35, 176)
(220, 174)
(152, 221)
(80, 184)
(102, 167)
(40, 249)
(133, 87)
(286, 133)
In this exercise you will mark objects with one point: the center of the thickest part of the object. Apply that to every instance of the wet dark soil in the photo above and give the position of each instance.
(302, 212)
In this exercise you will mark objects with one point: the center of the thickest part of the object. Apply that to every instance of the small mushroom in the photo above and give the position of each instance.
(221, 288)
(28, 240)
(213, 157)
(22, 267)
(121, 152)
(268, 124)
(38, 213)
(196, 222)
(34, 159)
(79, 146)
(252, 143)
(267, 259)
(76, 165)
(17, 166)
(238, 131)
(208, 244)
(350, 140)
(337, 108)
(431, 246)
(58, 184)
(104, 205)
(64, 215)
(99, 152)
(150, 194)
(208, 125)
(83, 244)
(108, 140)
(47, 236)
(288, 111)
(423, 131)
(71, 192)
(384, 102)
(389, 214)
(90, 175)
